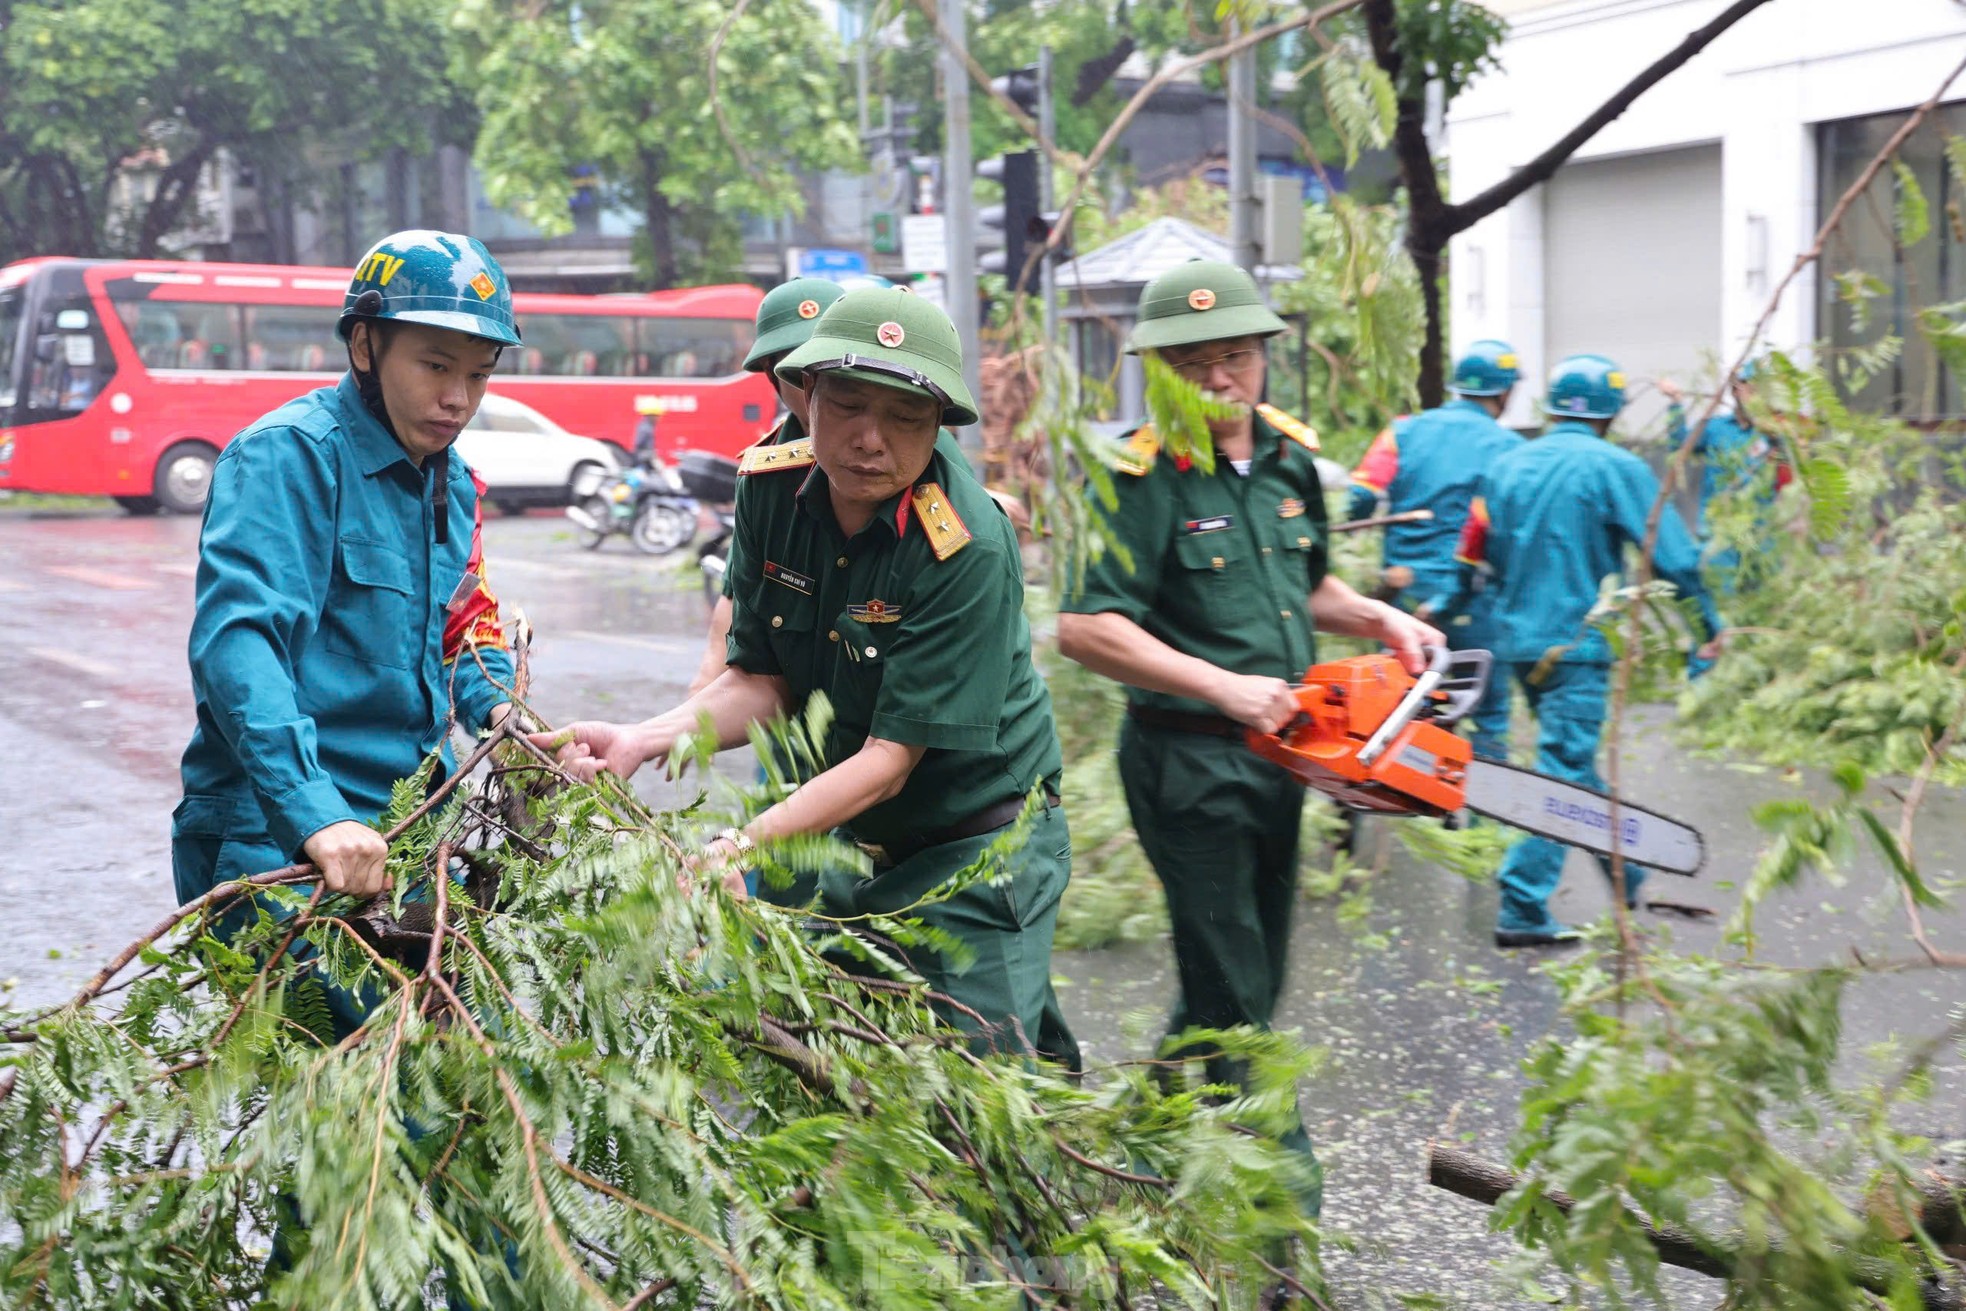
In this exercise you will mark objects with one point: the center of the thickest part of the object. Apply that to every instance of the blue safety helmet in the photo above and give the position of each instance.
(441, 279)
(1585, 387)
(1488, 369)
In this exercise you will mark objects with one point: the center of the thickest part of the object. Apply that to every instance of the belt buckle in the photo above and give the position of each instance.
(875, 851)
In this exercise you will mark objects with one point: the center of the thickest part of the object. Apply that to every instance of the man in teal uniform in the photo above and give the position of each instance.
(1733, 455)
(870, 565)
(343, 621)
(1207, 628)
(1431, 462)
(1550, 521)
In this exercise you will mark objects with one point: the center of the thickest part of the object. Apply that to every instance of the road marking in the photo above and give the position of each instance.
(69, 660)
(82, 573)
(671, 647)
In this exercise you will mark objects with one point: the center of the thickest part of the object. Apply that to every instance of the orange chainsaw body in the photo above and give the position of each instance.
(1421, 770)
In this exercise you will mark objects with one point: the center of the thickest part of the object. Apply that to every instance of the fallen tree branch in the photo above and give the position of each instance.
(1466, 1175)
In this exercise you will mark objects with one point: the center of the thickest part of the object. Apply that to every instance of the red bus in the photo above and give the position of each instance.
(124, 378)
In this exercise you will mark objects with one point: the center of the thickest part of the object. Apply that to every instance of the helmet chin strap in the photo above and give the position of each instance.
(368, 385)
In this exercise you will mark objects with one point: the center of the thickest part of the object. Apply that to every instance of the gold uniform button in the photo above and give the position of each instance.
(1303, 541)
(1266, 550)
(871, 653)
(1218, 562)
(832, 634)
(778, 621)
(841, 562)
(1284, 613)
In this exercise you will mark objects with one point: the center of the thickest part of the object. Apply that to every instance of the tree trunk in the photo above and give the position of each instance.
(658, 219)
(1427, 228)
(174, 188)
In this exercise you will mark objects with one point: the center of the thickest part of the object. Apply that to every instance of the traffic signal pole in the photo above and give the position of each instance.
(958, 202)
(1244, 246)
(1047, 124)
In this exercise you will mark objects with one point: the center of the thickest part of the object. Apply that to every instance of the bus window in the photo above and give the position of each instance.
(690, 348)
(183, 334)
(13, 309)
(70, 360)
(292, 339)
(573, 345)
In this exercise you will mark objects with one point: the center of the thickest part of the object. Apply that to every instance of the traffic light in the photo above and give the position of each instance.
(1021, 86)
(1013, 218)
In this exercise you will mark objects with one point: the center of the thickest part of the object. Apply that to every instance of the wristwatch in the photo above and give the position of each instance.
(739, 840)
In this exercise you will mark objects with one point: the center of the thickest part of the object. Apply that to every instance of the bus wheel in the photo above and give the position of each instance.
(184, 477)
(139, 505)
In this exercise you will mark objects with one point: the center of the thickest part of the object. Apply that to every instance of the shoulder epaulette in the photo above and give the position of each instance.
(770, 459)
(1296, 429)
(947, 534)
(1137, 456)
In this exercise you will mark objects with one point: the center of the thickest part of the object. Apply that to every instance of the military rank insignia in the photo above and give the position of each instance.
(767, 459)
(947, 534)
(874, 612)
(1290, 508)
(1295, 429)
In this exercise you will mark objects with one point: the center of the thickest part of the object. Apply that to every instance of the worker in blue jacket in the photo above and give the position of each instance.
(343, 620)
(1550, 521)
(1733, 454)
(1431, 461)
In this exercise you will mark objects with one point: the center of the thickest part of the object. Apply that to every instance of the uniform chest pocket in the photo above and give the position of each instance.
(1303, 550)
(370, 617)
(787, 618)
(1212, 574)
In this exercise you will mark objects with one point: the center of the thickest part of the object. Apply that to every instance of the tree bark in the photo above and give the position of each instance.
(1432, 222)
(658, 218)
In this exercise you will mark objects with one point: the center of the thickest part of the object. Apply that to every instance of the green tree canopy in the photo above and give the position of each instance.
(88, 88)
(625, 87)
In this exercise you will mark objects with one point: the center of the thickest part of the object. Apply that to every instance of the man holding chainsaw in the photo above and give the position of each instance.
(1206, 625)
(1550, 521)
(1431, 461)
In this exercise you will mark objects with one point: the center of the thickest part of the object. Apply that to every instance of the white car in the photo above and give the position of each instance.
(526, 459)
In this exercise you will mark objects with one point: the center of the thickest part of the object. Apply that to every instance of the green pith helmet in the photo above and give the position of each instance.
(891, 337)
(1488, 369)
(787, 316)
(1585, 387)
(441, 279)
(1202, 300)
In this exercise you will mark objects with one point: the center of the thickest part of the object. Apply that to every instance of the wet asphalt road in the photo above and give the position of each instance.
(1424, 1035)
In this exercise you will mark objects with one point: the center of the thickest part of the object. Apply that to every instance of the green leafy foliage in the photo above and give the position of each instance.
(623, 87)
(602, 1080)
(138, 90)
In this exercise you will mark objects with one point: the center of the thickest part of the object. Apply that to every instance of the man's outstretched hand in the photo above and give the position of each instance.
(586, 748)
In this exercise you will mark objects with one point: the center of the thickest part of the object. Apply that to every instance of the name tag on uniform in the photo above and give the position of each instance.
(1289, 508)
(1213, 524)
(465, 587)
(791, 578)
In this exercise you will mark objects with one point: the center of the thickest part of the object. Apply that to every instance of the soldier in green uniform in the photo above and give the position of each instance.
(785, 320)
(870, 565)
(1207, 629)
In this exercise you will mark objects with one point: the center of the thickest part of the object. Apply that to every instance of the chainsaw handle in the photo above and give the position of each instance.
(1410, 705)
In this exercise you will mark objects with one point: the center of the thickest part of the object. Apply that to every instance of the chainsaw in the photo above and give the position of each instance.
(1376, 738)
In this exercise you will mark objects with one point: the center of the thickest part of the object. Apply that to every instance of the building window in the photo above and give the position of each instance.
(1918, 385)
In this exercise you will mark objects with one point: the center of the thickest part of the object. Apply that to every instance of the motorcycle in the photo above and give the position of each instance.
(712, 480)
(646, 502)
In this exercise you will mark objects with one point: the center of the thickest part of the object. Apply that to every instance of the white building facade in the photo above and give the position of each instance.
(1661, 241)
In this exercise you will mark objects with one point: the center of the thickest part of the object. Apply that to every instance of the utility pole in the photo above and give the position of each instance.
(958, 200)
(1048, 125)
(1244, 248)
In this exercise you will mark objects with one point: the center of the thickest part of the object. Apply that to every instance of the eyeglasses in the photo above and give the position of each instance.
(1236, 362)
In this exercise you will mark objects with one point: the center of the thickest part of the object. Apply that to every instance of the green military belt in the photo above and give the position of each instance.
(1185, 721)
